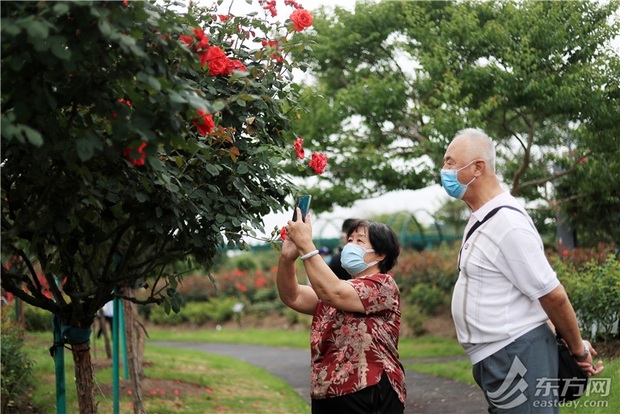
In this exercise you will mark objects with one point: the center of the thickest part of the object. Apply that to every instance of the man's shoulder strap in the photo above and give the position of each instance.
(488, 216)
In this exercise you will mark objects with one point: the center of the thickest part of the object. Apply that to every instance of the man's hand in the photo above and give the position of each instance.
(588, 365)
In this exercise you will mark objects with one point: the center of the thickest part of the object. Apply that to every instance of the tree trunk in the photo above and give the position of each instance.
(84, 378)
(133, 332)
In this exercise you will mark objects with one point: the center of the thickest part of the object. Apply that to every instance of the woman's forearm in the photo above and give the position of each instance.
(286, 280)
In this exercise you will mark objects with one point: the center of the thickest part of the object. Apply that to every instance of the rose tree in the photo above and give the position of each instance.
(135, 137)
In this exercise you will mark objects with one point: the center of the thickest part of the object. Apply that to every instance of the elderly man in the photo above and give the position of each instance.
(506, 291)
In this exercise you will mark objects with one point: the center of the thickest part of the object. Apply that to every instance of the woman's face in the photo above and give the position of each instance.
(360, 238)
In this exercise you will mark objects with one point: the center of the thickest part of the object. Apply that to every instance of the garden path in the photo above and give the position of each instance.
(426, 394)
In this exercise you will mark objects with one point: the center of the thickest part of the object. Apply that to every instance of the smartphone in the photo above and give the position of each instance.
(303, 202)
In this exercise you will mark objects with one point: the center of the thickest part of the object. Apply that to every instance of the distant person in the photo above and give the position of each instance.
(334, 263)
(108, 313)
(355, 366)
(506, 291)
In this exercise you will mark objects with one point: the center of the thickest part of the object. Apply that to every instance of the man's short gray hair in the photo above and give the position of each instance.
(483, 143)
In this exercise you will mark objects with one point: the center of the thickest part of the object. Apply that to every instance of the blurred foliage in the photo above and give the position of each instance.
(17, 367)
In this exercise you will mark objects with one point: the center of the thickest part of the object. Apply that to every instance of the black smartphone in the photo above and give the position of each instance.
(303, 202)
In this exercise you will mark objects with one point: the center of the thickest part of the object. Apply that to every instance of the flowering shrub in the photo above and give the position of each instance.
(436, 267)
(175, 150)
(580, 256)
(148, 135)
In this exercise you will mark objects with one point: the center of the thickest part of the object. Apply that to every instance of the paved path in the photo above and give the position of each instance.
(426, 394)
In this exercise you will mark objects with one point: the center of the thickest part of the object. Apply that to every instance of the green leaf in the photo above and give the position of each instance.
(60, 9)
(105, 28)
(9, 27)
(61, 51)
(33, 136)
(243, 168)
(213, 169)
(37, 30)
(87, 146)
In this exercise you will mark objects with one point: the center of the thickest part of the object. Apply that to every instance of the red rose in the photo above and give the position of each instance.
(136, 161)
(301, 19)
(199, 34)
(219, 64)
(318, 162)
(299, 149)
(204, 123)
(188, 40)
(237, 65)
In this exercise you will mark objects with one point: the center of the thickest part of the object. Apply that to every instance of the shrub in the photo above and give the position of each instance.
(594, 291)
(435, 266)
(264, 308)
(196, 288)
(158, 316)
(17, 368)
(413, 317)
(37, 319)
(427, 297)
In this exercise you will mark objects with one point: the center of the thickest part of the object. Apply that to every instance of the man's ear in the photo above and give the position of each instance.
(481, 165)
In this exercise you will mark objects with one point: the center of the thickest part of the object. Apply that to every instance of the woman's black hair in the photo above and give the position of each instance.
(383, 241)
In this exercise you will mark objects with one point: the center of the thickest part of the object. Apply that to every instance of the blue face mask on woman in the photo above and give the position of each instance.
(450, 182)
(352, 259)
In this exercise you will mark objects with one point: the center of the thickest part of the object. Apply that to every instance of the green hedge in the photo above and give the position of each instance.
(16, 367)
(217, 310)
(594, 291)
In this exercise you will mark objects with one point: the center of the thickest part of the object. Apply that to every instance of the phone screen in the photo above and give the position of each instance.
(303, 202)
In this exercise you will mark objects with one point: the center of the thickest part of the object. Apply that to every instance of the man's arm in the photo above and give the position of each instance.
(560, 311)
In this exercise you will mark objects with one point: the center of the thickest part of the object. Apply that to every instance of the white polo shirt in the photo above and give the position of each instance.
(503, 272)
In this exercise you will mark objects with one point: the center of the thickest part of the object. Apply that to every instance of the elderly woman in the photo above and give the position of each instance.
(355, 327)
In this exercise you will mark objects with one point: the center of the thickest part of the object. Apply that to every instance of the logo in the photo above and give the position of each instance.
(510, 393)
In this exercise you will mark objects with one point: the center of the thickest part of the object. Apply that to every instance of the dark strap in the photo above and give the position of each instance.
(479, 223)
(488, 216)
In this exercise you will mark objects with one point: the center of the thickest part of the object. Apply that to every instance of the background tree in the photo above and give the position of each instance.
(134, 136)
(394, 81)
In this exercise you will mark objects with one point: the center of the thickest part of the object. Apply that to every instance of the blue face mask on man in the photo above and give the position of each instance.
(352, 259)
(450, 182)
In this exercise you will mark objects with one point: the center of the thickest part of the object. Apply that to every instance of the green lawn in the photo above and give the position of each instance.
(230, 385)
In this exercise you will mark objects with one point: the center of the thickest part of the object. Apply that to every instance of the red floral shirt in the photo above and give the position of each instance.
(350, 350)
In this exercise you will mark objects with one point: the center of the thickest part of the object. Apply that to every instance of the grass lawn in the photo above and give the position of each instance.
(177, 382)
(200, 382)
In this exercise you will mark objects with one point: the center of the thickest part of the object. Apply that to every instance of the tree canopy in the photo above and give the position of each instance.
(135, 136)
(394, 81)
